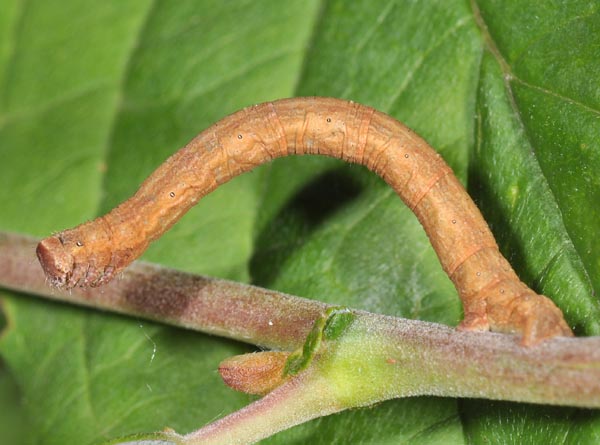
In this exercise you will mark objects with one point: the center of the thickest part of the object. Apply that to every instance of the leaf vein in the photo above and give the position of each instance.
(508, 76)
(553, 29)
(409, 76)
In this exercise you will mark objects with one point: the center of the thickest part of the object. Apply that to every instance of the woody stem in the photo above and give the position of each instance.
(220, 307)
(436, 359)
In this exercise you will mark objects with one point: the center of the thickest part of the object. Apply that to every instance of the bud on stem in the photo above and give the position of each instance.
(256, 373)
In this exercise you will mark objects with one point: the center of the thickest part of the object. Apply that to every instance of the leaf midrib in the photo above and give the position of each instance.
(508, 76)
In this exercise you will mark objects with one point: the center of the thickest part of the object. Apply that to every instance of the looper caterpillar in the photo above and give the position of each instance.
(493, 297)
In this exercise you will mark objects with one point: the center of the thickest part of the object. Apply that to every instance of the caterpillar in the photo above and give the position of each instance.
(492, 295)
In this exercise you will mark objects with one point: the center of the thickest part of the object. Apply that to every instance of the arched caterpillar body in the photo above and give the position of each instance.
(491, 293)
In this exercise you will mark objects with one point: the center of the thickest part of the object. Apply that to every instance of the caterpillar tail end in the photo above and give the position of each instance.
(534, 317)
(539, 319)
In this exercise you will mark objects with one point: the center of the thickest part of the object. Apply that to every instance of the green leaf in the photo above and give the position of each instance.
(93, 96)
(12, 421)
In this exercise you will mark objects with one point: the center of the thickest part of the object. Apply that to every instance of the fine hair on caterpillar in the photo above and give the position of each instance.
(493, 297)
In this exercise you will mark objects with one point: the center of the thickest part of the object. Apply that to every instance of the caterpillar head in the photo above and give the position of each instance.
(82, 257)
(56, 260)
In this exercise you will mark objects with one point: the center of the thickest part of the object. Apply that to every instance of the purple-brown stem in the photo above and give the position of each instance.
(397, 357)
(281, 321)
(220, 307)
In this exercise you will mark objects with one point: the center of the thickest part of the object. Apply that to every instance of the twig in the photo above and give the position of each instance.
(220, 307)
(380, 358)
(375, 358)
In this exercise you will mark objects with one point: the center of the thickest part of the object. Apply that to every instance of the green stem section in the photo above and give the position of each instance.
(371, 358)
(381, 357)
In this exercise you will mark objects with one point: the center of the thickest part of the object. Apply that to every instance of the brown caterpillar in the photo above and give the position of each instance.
(493, 297)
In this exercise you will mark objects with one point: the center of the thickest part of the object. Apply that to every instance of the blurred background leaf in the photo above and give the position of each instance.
(94, 95)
